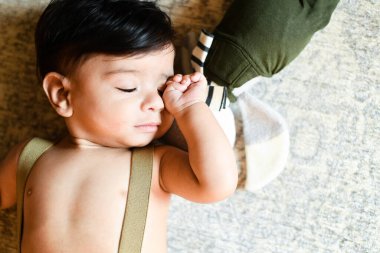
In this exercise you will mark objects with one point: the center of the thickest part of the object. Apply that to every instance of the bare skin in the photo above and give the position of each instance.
(77, 203)
(76, 193)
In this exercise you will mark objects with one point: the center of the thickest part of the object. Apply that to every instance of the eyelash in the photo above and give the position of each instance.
(160, 92)
(127, 90)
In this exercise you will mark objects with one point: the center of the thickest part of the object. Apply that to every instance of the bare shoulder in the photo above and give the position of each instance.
(8, 169)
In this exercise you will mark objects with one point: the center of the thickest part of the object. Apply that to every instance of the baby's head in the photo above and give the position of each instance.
(103, 64)
(69, 31)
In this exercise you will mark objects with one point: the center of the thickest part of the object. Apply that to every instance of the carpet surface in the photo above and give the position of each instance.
(327, 198)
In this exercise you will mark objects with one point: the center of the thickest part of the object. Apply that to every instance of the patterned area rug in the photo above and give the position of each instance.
(326, 200)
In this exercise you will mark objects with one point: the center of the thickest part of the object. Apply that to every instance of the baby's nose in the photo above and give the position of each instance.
(154, 102)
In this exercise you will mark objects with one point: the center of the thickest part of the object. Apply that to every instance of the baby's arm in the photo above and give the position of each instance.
(208, 171)
(8, 169)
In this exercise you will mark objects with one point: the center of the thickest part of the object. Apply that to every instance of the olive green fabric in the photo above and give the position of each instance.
(261, 37)
(28, 157)
(136, 210)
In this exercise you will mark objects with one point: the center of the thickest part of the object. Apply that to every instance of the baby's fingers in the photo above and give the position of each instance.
(177, 78)
(196, 77)
(171, 85)
(186, 80)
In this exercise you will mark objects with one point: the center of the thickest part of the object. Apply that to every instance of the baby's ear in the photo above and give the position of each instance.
(57, 89)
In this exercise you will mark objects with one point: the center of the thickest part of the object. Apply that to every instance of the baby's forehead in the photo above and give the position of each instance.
(166, 51)
(133, 57)
(160, 63)
(110, 59)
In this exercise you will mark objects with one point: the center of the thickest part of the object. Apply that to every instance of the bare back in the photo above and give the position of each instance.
(75, 202)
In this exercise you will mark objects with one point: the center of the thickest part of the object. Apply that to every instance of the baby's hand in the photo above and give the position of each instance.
(183, 91)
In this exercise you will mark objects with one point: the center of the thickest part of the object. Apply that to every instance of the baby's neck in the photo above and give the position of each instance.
(82, 143)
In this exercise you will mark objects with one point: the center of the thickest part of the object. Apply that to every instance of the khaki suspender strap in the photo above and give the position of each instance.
(31, 152)
(132, 233)
(136, 210)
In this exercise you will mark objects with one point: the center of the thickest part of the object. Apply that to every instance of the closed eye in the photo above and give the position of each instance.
(127, 90)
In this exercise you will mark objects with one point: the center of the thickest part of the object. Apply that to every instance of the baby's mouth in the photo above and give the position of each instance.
(148, 127)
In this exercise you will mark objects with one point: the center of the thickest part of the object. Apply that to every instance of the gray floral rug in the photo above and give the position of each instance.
(327, 198)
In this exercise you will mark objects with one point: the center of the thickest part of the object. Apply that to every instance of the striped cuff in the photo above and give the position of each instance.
(217, 95)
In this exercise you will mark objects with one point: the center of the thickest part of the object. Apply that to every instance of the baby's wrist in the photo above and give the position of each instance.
(187, 108)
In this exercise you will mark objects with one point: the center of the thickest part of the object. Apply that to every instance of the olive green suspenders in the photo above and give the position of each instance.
(132, 233)
(32, 151)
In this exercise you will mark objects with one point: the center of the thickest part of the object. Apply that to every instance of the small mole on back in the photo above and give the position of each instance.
(29, 192)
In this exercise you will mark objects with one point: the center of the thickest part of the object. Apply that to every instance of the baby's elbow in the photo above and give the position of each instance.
(230, 179)
(7, 194)
(223, 190)
(220, 195)
(6, 203)
(230, 185)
